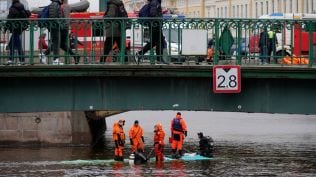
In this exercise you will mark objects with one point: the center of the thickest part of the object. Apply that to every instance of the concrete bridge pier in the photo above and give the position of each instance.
(54, 128)
(97, 123)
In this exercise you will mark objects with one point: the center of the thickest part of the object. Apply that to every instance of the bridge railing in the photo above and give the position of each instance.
(171, 40)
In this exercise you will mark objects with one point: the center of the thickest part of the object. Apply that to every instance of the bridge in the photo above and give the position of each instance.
(183, 82)
(150, 87)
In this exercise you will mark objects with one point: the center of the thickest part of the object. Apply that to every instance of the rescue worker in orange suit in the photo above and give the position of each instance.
(136, 137)
(178, 133)
(119, 139)
(159, 142)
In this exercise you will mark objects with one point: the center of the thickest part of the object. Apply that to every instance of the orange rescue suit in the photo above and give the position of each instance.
(178, 130)
(136, 136)
(119, 139)
(159, 142)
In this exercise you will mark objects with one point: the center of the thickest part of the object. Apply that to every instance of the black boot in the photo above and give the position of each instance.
(180, 153)
(77, 59)
(174, 153)
(121, 158)
(116, 158)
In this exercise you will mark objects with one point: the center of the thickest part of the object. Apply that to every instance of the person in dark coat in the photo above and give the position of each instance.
(17, 11)
(155, 30)
(59, 30)
(263, 46)
(113, 29)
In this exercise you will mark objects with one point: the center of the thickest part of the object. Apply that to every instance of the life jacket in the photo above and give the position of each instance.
(271, 34)
(118, 132)
(176, 125)
(159, 137)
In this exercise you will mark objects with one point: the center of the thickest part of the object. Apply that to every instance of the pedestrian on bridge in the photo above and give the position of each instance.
(263, 46)
(155, 30)
(178, 133)
(59, 30)
(17, 11)
(113, 29)
(119, 139)
(272, 43)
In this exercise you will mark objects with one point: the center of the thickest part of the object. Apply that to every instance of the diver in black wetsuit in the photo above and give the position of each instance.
(206, 145)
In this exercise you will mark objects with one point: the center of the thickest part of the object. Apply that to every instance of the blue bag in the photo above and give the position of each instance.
(41, 16)
(144, 11)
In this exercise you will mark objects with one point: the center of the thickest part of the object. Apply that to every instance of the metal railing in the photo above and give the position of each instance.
(171, 40)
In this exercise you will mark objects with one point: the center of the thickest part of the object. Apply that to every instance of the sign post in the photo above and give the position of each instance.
(226, 79)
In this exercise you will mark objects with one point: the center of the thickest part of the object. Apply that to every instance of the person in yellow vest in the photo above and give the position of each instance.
(272, 42)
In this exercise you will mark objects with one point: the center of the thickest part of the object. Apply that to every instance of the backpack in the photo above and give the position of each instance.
(144, 11)
(26, 23)
(42, 15)
(25, 14)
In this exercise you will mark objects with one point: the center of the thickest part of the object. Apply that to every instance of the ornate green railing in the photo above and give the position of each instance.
(233, 41)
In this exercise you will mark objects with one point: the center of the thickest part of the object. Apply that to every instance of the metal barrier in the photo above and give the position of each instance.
(163, 41)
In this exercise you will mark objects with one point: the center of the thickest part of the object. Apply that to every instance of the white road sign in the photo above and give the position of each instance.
(226, 79)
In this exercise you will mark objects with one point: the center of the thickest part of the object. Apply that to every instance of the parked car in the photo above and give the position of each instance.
(173, 45)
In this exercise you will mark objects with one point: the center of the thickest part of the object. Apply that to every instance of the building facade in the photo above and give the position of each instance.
(230, 8)
(256, 8)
